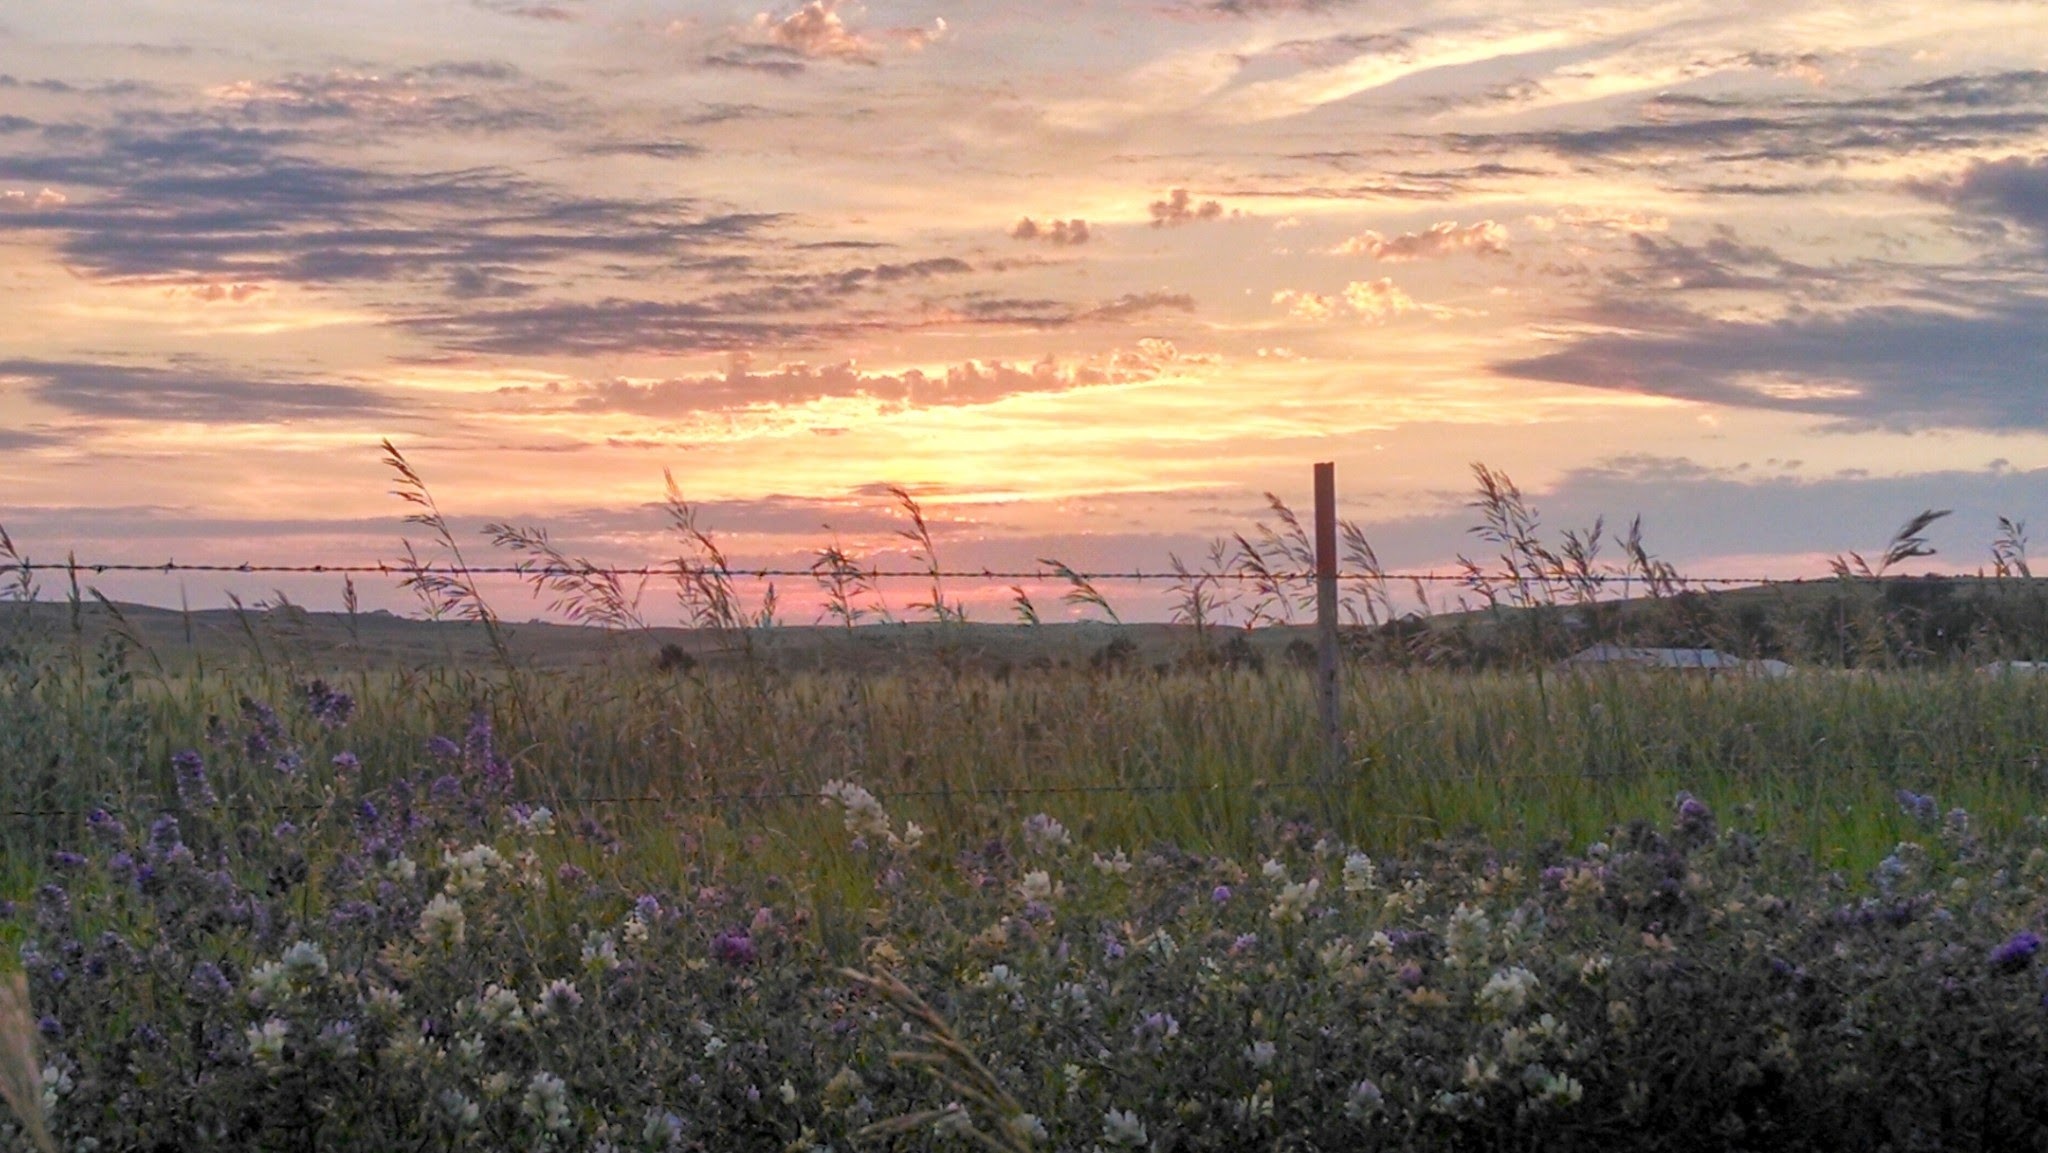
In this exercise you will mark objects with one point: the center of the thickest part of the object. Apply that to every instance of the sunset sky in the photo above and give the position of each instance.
(1088, 277)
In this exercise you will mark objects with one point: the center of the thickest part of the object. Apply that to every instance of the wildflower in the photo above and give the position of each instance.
(786, 1092)
(1508, 990)
(194, 791)
(1293, 901)
(500, 1006)
(57, 1083)
(1273, 870)
(534, 822)
(468, 869)
(266, 1043)
(1037, 886)
(1000, 977)
(1156, 1028)
(338, 1039)
(1043, 834)
(401, 869)
(1466, 934)
(208, 983)
(2016, 953)
(865, 816)
(1116, 863)
(304, 963)
(442, 749)
(1919, 806)
(269, 982)
(547, 1101)
(1122, 1127)
(662, 1129)
(1220, 894)
(1026, 1128)
(442, 923)
(1260, 1053)
(1243, 943)
(457, 1108)
(735, 948)
(634, 930)
(106, 827)
(1359, 873)
(1552, 1088)
(1364, 1100)
(346, 761)
(558, 997)
(600, 953)
(1694, 816)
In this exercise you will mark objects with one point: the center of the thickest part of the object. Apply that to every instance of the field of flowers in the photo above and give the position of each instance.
(304, 923)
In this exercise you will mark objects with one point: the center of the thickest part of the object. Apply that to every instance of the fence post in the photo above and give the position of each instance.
(1326, 618)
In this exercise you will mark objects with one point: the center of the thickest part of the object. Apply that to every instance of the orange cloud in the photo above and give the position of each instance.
(1180, 208)
(1056, 232)
(1485, 238)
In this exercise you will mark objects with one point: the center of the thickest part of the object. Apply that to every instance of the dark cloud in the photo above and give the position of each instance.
(653, 149)
(1059, 233)
(1180, 208)
(1132, 305)
(2013, 190)
(1890, 367)
(1720, 262)
(175, 197)
(113, 88)
(764, 58)
(10, 125)
(188, 393)
(549, 11)
(1271, 7)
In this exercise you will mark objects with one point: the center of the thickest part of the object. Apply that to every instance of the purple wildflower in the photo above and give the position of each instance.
(2016, 953)
(164, 834)
(443, 749)
(649, 908)
(347, 762)
(734, 948)
(51, 1028)
(193, 790)
(208, 982)
(1694, 816)
(1919, 806)
(331, 707)
(65, 859)
(104, 826)
(1245, 943)
(1220, 894)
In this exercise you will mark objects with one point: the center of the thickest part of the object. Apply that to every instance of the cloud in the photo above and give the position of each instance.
(817, 32)
(1179, 208)
(2014, 189)
(549, 11)
(1055, 232)
(1133, 305)
(449, 97)
(20, 200)
(1374, 301)
(188, 393)
(182, 196)
(741, 386)
(1485, 238)
(1888, 367)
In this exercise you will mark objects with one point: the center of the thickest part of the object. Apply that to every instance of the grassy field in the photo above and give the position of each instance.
(284, 883)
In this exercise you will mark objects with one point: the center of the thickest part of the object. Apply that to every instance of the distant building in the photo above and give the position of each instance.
(1680, 660)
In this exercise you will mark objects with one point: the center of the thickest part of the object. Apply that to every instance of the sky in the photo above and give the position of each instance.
(1087, 278)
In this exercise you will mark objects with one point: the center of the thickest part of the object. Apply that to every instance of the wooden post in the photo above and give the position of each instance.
(1326, 618)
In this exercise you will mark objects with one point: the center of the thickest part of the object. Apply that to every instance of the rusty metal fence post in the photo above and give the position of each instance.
(1326, 620)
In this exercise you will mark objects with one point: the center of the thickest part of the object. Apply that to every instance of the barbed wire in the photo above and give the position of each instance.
(385, 568)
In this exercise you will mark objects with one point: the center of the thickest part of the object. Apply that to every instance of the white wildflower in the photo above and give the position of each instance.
(500, 1007)
(600, 953)
(1038, 886)
(458, 1109)
(1000, 977)
(1116, 863)
(1359, 873)
(537, 823)
(469, 869)
(266, 1043)
(401, 869)
(304, 963)
(442, 923)
(269, 982)
(634, 930)
(1260, 1053)
(1273, 870)
(547, 1101)
(786, 1092)
(1026, 1129)
(1293, 901)
(496, 1085)
(1508, 990)
(1466, 936)
(1122, 1127)
(1364, 1100)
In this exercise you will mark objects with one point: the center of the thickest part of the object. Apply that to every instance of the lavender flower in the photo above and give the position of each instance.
(194, 792)
(734, 948)
(1220, 894)
(443, 749)
(1919, 806)
(103, 825)
(2016, 953)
